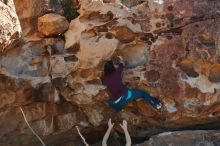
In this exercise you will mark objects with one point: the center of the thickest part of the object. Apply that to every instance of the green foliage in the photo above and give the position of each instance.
(69, 12)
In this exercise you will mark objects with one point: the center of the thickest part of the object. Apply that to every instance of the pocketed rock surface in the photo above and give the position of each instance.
(170, 48)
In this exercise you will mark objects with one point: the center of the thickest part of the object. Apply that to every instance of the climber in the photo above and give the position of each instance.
(123, 126)
(120, 94)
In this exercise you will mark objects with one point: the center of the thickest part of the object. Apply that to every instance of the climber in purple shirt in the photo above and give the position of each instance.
(119, 93)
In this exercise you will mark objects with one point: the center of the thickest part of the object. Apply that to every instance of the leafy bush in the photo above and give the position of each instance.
(69, 12)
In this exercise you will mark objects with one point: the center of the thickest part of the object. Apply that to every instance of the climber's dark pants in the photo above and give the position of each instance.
(132, 94)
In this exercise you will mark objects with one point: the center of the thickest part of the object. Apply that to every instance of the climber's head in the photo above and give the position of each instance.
(109, 67)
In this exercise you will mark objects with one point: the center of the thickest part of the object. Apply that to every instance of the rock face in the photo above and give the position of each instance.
(9, 25)
(170, 49)
(52, 24)
(184, 138)
(28, 12)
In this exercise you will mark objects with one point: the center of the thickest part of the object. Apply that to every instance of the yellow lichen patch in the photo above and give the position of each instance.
(124, 34)
(202, 67)
(86, 73)
(207, 40)
(214, 75)
(186, 65)
(133, 54)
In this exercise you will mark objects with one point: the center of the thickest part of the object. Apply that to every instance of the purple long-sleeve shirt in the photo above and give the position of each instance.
(114, 83)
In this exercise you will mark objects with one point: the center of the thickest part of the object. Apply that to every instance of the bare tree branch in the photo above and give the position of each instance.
(81, 136)
(38, 137)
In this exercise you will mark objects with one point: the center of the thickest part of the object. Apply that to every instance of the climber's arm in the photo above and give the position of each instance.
(127, 136)
(118, 60)
(106, 136)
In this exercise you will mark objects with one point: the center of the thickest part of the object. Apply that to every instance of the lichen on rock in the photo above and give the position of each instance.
(9, 25)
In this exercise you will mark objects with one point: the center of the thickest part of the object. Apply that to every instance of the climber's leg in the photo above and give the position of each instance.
(137, 94)
(120, 102)
(133, 94)
(114, 105)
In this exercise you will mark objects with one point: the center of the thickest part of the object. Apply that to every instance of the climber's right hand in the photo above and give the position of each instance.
(110, 124)
(118, 59)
